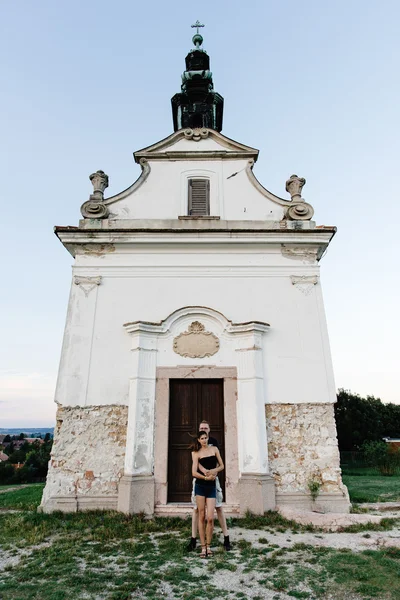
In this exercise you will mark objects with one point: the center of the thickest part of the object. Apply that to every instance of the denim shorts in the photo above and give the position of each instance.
(208, 491)
(219, 497)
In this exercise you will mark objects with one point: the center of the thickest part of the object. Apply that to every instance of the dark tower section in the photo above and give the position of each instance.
(197, 105)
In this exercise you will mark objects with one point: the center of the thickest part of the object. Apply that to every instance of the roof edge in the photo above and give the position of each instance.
(195, 135)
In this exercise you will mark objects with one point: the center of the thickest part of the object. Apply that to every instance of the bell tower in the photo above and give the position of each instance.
(197, 105)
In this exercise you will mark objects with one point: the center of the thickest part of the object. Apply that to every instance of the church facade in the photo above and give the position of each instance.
(195, 295)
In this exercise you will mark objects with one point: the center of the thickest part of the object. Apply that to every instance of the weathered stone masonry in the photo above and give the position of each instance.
(302, 447)
(87, 459)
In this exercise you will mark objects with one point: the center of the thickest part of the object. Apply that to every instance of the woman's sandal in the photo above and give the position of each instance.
(203, 553)
(209, 551)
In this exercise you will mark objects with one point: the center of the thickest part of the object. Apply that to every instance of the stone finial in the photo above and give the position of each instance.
(95, 208)
(294, 185)
(100, 183)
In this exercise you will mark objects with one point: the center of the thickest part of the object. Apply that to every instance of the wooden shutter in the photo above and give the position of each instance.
(199, 197)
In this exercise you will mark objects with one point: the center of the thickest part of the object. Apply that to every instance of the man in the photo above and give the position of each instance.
(205, 426)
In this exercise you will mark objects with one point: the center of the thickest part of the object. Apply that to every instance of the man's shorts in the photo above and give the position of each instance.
(219, 498)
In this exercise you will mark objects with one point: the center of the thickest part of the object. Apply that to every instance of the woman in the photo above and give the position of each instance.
(205, 487)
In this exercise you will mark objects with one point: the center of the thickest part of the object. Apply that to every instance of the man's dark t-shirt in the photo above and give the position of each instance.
(213, 442)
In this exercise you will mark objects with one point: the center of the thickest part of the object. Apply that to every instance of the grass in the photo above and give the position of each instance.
(111, 556)
(25, 498)
(372, 488)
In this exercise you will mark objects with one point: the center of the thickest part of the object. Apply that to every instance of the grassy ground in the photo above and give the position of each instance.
(372, 487)
(23, 498)
(96, 556)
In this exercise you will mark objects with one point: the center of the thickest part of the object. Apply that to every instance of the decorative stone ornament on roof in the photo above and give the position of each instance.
(95, 208)
(300, 210)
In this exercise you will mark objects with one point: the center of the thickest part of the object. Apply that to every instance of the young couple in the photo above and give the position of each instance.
(207, 493)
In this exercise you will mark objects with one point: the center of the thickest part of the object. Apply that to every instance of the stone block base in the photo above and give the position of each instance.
(325, 503)
(78, 503)
(256, 493)
(136, 494)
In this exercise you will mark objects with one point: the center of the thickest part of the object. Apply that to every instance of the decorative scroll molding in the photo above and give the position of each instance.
(254, 181)
(87, 284)
(135, 185)
(295, 209)
(196, 342)
(300, 253)
(304, 283)
(196, 134)
(301, 211)
(93, 209)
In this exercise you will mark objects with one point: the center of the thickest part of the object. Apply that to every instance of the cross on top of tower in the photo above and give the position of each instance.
(197, 39)
(197, 25)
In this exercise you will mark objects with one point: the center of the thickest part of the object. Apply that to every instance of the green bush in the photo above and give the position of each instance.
(384, 457)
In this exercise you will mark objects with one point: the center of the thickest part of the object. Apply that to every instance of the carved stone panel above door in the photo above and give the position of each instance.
(196, 342)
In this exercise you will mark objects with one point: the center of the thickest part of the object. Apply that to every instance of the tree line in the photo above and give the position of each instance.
(27, 462)
(360, 420)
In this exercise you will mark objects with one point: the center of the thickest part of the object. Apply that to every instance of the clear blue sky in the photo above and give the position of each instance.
(314, 85)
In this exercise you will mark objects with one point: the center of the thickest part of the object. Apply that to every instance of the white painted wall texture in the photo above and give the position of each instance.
(144, 264)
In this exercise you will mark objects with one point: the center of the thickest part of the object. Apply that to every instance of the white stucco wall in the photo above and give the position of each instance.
(164, 194)
(148, 285)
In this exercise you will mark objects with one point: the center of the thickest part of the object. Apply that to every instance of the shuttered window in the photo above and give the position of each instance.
(199, 197)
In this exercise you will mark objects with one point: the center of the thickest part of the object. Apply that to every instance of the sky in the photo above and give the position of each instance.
(313, 85)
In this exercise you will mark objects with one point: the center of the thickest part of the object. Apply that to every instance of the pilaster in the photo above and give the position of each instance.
(136, 488)
(73, 377)
(253, 451)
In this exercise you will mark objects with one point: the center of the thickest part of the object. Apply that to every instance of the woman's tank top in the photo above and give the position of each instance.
(208, 462)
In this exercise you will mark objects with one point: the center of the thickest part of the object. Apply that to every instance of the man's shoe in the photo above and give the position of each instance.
(227, 543)
(191, 545)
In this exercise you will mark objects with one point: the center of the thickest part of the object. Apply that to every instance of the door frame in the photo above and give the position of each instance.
(229, 376)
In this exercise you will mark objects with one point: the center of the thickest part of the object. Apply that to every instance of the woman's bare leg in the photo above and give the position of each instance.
(201, 504)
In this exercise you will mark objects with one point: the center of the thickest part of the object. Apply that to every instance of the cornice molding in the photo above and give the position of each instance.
(195, 313)
(100, 242)
(304, 253)
(233, 148)
(199, 155)
(227, 236)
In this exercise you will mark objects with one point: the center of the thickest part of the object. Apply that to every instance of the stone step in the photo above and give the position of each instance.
(184, 509)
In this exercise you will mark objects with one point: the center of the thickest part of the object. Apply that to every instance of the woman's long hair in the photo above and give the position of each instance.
(195, 445)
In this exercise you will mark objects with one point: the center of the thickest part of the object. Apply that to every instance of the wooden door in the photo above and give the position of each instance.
(191, 401)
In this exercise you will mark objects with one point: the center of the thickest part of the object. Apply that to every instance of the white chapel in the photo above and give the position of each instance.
(195, 295)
